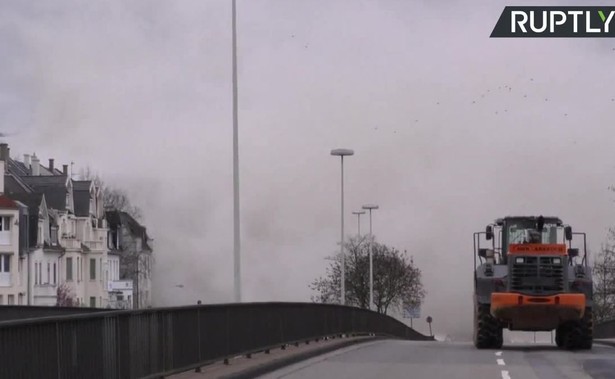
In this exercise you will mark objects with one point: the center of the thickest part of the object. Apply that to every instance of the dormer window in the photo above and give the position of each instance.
(54, 235)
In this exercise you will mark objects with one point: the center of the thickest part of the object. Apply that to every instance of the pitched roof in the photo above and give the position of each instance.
(117, 218)
(12, 185)
(7, 203)
(113, 219)
(81, 200)
(54, 188)
(82, 185)
(17, 168)
(32, 200)
(49, 180)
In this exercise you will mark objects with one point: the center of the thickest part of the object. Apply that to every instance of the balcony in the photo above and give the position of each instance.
(94, 245)
(98, 234)
(45, 290)
(119, 285)
(6, 279)
(5, 237)
(70, 243)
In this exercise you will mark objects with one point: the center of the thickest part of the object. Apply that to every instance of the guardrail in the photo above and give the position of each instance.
(16, 312)
(605, 329)
(157, 342)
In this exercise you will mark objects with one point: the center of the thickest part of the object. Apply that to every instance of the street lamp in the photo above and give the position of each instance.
(359, 213)
(342, 153)
(236, 244)
(371, 207)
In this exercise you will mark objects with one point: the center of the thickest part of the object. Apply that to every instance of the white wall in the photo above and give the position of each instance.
(11, 277)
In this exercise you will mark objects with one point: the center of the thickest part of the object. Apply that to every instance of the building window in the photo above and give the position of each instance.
(93, 269)
(54, 236)
(11, 299)
(69, 268)
(5, 263)
(54, 274)
(78, 268)
(48, 272)
(93, 302)
(5, 223)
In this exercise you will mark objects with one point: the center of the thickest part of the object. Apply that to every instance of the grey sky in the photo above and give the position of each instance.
(141, 91)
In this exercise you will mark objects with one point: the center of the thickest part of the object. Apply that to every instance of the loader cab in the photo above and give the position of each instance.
(515, 230)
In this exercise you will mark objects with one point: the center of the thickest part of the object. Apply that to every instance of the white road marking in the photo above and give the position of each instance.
(501, 362)
(498, 354)
(505, 375)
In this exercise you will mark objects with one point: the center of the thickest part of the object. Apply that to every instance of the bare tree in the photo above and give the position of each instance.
(113, 198)
(397, 281)
(603, 273)
(65, 297)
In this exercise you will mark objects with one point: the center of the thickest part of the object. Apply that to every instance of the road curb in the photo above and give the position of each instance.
(603, 342)
(283, 362)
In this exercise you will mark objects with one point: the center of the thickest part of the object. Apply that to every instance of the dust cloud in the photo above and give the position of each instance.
(450, 129)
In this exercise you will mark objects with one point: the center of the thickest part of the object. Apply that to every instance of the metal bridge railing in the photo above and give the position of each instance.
(156, 342)
(605, 329)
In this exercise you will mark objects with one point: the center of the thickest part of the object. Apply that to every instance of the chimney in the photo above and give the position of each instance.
(26, 160)
(4, 152)
(36, 168)
(65, 169)
(51, 165)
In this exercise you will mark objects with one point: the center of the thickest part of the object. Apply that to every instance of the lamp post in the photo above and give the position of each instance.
(342, 153)
(371, 207)
(236, 235)
(359, 213)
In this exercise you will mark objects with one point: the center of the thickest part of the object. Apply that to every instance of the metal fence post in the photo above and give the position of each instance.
(198, 331)
(58, 350)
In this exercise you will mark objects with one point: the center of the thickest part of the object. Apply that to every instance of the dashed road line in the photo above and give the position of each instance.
(505, 374)
(498, 354)
(501, 362)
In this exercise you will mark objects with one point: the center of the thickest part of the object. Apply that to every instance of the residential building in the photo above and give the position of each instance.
(120, 291)
(56, 244)
(12, 284)
(67, 242)
(42, 249)
(129, 241)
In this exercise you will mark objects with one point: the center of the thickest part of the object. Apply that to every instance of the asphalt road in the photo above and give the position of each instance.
(390, 359)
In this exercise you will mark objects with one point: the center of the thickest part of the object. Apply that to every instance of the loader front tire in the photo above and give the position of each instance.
(488, 333)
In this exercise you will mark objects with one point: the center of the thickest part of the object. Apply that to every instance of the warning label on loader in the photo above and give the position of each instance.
(530, 248)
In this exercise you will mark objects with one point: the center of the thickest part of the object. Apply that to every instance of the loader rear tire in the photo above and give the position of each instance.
(586, 327)
(577, 335)
(559, 336)
(488, 333)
